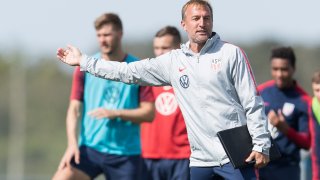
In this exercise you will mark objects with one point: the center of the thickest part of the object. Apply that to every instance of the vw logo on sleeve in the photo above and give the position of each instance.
(184, 81)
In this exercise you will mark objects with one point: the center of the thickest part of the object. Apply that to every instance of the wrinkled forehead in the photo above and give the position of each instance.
(189, 7)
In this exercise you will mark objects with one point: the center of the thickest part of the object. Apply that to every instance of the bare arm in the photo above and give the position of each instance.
(73, 114)
(144, 113)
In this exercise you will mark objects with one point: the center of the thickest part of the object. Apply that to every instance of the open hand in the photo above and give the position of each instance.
(71, 152)
(100, 113)
(70, 55)
(278, 120)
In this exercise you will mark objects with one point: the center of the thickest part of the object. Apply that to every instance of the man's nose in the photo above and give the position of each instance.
(201, 21)
(279, 73)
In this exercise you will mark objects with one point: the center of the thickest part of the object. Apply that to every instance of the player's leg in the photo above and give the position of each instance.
(87, 168)
(70, 173)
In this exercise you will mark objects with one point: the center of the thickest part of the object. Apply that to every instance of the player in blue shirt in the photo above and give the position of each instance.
(287, 106)
(109, 141)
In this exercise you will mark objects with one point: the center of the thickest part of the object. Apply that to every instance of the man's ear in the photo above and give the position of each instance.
(183, 25)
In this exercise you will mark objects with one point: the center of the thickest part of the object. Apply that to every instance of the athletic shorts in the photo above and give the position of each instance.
(159, 169)
(224, 172)
(279, 171)
(114, 167)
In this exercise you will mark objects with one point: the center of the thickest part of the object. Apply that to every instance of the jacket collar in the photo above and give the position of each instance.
(210, 42)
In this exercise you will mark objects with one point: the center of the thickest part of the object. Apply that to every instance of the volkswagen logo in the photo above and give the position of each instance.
(184, 81)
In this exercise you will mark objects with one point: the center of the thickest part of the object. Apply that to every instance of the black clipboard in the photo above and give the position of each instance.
(237, 143)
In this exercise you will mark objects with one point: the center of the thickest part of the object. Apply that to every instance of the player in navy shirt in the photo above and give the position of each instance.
(287, 106)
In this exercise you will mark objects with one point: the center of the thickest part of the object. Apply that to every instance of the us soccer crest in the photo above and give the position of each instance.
(216, 65)
(288, 109)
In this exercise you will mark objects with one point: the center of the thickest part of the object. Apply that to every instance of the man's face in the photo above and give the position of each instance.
(109, 39)
(198, 23)
(316, 90)
(282, 72)
(163, 44)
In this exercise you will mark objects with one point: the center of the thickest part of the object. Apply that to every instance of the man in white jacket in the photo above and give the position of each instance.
(214, 86)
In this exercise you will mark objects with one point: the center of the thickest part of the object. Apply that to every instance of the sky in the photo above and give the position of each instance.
(39, 27)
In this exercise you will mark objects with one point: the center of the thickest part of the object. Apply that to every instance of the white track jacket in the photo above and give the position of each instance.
(215, 90)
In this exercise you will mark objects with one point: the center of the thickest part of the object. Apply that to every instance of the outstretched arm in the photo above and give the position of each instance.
(154, 72)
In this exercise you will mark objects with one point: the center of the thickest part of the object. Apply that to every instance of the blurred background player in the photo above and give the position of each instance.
(286, 105)
(315, 127)
(109, 141)
(165, 146)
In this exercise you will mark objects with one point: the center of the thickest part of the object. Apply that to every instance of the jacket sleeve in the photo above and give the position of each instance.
(301, 137)
(251, 101)
(153, 72)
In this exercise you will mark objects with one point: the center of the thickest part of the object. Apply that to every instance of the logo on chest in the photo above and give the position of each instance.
(216, 65)
(166, 103)
(111, 94)
(184, 81)
(288, 109)
(181, 69)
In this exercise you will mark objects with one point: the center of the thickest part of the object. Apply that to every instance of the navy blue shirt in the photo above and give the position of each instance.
(294, 105)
